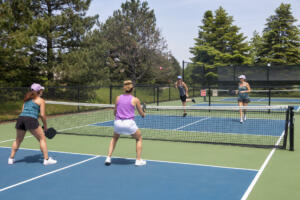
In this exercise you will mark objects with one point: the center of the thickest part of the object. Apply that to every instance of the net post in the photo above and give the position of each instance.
(110, 94)
(291, 128)
(286, 129)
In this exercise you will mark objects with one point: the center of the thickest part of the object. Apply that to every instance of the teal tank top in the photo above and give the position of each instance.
(243, 95)
(31, 109)
(181, 90)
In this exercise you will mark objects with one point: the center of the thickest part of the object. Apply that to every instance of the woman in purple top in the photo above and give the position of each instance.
(124, 122)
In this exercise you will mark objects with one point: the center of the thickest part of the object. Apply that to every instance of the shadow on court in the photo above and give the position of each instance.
(37, 158)
(122, 161)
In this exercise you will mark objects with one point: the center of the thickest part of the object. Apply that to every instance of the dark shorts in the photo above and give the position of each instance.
(244, 100)
(183, 98)
(27, 123)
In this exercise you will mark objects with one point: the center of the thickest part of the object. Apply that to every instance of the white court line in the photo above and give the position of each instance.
(260, 171)
(261, 99)
(298, 109)
(162, 161)
(192, 123)
(46, 174)
(57, 131)
(13, 139)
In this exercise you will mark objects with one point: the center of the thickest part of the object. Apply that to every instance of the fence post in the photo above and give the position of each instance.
(154, 93)
(169, 92)
(110, 94)
(269, 96)
(193, 92)
(157, 93)
(209, 96)
(78, 98)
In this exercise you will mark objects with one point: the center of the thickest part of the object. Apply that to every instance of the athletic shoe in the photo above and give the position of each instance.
(50, 161)
(140, 162)
(245, 118)
(193, 100)
(184, 114)
(108, 161)
(241, 121)
(11, 161)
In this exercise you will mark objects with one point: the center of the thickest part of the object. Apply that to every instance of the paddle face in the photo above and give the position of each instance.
(50, 133)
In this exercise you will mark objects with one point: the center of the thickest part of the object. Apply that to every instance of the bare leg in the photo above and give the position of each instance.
(184, 104)
(40, 136)
(112, 144)
(137, 135)
(16, 144)
(240, 103)
(245, 104)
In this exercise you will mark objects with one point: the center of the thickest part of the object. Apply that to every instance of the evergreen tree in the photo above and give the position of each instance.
(135, 41)
(61, 26)
(281, 38)
(16, 37)
(86, 65)
(256, 45)
(219, 43)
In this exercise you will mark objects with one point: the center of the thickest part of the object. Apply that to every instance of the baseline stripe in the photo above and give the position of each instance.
(46, 174)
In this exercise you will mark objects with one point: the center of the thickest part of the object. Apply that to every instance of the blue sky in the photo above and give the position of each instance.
(179, 20)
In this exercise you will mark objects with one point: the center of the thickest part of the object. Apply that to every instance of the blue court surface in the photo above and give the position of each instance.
(78, 176)
(206, 124)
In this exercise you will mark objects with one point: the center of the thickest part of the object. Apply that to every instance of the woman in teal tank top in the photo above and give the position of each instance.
(243, 96)
(183, 93)
(33, 106)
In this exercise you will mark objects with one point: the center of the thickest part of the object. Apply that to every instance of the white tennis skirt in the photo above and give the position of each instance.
(125, 127)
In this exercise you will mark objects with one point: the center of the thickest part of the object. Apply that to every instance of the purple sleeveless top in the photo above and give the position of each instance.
(125, 110)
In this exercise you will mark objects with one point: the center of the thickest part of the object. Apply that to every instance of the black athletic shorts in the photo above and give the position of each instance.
(244, 100)
(27, 123)
(183, 98)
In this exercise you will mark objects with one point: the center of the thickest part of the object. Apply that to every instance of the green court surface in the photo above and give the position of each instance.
(279, 180)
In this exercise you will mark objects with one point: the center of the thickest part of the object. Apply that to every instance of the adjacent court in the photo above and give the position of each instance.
(200, 124)
(80, 176)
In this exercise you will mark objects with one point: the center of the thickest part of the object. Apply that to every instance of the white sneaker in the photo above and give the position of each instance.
(11, 161)
(50, 161)
(241, 121)
(245, 118)
(108, 161)
(140, 162)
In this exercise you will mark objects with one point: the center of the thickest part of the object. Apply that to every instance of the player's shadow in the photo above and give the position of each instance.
(38, 158)
(122, 161)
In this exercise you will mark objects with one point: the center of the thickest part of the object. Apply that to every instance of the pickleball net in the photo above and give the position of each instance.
(264, 126)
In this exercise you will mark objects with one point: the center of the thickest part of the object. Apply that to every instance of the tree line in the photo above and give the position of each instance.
(220, 43)
(55, 43)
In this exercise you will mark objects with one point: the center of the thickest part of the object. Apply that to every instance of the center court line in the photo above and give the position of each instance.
(46, 174)
(162, 161)
(193, 123)
(4, 141)
(260, 171)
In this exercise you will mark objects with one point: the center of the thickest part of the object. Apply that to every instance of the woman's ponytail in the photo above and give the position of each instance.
(30, 95)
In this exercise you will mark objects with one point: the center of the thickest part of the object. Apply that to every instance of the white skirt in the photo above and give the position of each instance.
(125, 127)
